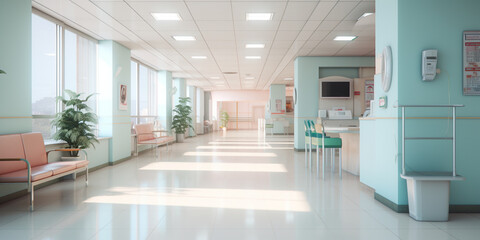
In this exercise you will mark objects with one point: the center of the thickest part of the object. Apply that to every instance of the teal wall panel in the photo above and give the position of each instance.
(338, 71)
(409, 27)
(307, 87)
(16, 61)
(114, 71)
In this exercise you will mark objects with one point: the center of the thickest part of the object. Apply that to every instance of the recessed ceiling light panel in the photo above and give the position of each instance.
(288, 79)
(184, 38)
(254, 45)
(214, 77)
(249, 78)
(199, 57)
(345, 38)
(259, 16)
(166, 16)
(253, 57)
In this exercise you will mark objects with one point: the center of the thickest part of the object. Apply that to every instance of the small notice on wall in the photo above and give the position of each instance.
(368, 92)
(471, 62)
(278, 105)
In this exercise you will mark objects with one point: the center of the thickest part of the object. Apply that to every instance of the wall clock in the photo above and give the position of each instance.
(387, 68)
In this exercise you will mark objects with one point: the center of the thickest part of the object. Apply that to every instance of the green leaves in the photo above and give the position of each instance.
(2, 72)
(181, 118)
(224, 118)
(76, 124)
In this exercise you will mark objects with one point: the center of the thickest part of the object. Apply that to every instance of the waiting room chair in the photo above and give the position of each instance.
(328, 143)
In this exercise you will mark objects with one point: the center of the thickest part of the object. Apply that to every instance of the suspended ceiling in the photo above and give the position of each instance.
(297, 28)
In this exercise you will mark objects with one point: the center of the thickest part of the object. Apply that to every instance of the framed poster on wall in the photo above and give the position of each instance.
(123, 98)
(471, 63)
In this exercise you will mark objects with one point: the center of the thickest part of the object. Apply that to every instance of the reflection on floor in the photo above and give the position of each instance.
(237, 186)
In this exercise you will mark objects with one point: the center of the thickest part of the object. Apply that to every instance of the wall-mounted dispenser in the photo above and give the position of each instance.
(429, 64)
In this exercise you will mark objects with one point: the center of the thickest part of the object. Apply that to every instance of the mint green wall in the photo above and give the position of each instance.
(307, 86)
(115, 71)
(452, 17)
(411, 26)
(380, 138)
(192, 94)
(200, 110)
(16, 60)
(207, 100)
(165, 98)
(181, 85)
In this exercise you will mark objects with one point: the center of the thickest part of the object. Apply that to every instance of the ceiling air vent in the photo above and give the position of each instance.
(230, 72)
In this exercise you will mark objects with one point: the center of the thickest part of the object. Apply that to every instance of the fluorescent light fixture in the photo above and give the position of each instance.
(365, 15)
(259, 16)
(50, 54)
(214, 77)
(166, 16)
(253, 57)
(344, 38)
(288, 79)
(184, 38)
(254, 45)
(249, 78)
(199, 57)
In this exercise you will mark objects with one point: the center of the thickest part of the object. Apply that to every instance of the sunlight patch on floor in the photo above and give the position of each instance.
(270, 200)
(215, 167)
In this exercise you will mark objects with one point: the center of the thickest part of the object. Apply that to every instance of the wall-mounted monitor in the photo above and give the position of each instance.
(336, 89)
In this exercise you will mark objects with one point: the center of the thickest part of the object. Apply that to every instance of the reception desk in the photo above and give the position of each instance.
(350, 147)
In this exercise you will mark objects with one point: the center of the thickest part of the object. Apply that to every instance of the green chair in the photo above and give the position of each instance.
(312, 138)
(268, 125)
(332, 144)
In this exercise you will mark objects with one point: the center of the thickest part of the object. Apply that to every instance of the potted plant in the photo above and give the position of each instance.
(224, 118)
(75, 124)
(181, 118)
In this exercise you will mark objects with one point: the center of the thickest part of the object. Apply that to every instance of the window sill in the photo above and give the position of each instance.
(50, 142)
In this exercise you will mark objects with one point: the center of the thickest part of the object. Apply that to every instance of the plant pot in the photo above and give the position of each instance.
(180, 137)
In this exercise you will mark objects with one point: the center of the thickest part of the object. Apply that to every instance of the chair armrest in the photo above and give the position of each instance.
(29, 168)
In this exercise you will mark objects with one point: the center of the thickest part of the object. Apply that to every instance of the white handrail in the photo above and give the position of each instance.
(453, 138)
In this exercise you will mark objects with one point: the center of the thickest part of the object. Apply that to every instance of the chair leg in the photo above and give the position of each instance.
(332, 151)
(310, 155)
(318, 162)
(323, 162)
(32, 197)
(340, 162)
(306, 153)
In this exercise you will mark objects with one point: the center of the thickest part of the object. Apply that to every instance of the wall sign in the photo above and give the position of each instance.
(382, 102)
(471, 62)
(123, 98)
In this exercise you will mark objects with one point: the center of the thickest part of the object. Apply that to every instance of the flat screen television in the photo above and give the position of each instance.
(336, 89)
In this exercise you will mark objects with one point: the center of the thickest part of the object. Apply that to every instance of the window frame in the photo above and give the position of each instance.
(60, 62)
(136, 117)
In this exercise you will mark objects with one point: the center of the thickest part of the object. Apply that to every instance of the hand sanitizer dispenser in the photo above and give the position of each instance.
(429, 64)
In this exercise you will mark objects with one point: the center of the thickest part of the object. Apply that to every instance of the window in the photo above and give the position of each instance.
(144, 93)
(61, 59)
(44, 74)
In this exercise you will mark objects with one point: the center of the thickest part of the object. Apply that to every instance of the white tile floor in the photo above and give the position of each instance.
(229, 187)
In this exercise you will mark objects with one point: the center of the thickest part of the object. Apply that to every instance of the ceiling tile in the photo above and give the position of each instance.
(322, 10)
(296, 11)
(210, 11)
(341, 10)
(291, 25)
